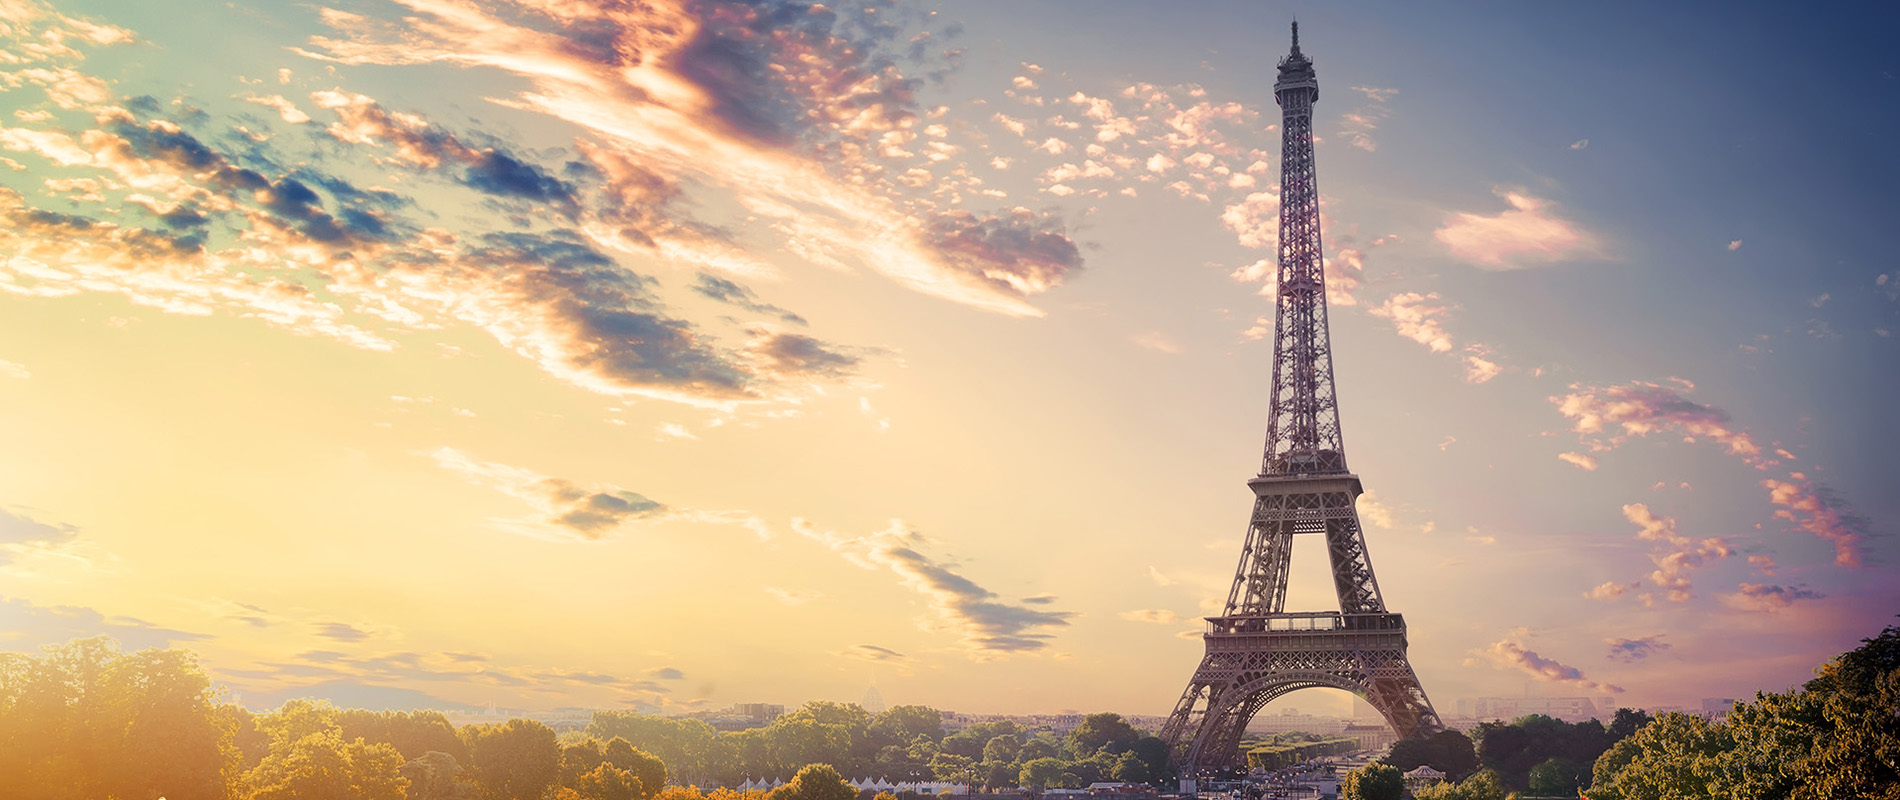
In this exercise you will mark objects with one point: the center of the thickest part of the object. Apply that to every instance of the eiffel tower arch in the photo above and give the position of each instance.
(1256, 650)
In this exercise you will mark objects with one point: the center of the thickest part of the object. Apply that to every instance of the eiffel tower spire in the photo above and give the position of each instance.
(1256, 650)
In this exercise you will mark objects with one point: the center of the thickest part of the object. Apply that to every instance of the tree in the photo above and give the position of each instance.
(1676, 755)
(309, 759)
(1627, 721)
(1099, 731)
(1482, 786)
(902, 725)
(815, 782)
(1041, 773)
(87, 720)
(1835, 737)
(1039, 747)
(1002, 748)
(954, 768)
(436, 775)
(967, 743)
(1556, 776)
(1373, 782)
(1447, 751)
(515, 760)
(604, 782)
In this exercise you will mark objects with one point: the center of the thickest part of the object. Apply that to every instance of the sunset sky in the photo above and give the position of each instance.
(584, 353)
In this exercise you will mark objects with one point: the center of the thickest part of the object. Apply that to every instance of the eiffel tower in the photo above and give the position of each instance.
(1256, 650)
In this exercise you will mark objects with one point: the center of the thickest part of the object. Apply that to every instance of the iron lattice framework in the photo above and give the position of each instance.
(1256, 650)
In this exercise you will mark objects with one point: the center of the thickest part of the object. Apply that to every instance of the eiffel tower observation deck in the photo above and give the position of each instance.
(1258, 651)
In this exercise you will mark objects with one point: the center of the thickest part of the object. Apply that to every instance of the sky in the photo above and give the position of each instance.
(575, 353)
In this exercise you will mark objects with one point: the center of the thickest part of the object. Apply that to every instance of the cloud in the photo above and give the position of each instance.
(1357, 126)
(792, 597)
(785, 110)
(665, 674)
(1156, 615)
(1814, 508)
(564, 509)
(1769, 598)
(477, 673)
(1255, 221)
(1509, 654)
(1610, 590)
(19, 528)
(1580, 144)
(341, 632)
(1629, 650)
(26, 626)
(1021, 252)
(725, 291)
(1581, 461)
(871, 652)
(1735, 245)
(1640, 409)
(1156, 341)
(1527, 234)
(787, 355)
(983, 623)
(1416, 317)
(1674, 555)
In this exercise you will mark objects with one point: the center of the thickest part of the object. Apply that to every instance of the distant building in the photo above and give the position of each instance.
(873, 701)
(1371, 735)
(1715, 708)
(1568, 709)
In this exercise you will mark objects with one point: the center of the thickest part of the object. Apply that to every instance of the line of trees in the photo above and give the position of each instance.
(86, 720)
(1837, 736)
(1285, 750)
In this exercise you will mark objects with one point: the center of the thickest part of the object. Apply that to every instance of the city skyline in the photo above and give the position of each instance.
(554, 354)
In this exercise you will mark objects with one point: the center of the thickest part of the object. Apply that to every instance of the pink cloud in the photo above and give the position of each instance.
(1509, 654)
(1675, 555)
(1640, 409)
(1416, 316)
(1526, 234)
(1807, 506)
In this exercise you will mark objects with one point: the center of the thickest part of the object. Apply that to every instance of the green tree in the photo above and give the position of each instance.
(310, 760)
(1002, 748)
(1373, 782)
(955, 769)
(1448, 751)
(514, 760)
(1835, 737)
(902, 725)
(815, 782)
(604, 782)
(967, 743)
(1674, 756)
(436, 775)
(1039, 747)
(691, 749)
(1102, 731)
(1482, 786)
(1556, 776)
(411, 733)
(86, 720)
(1042, 773)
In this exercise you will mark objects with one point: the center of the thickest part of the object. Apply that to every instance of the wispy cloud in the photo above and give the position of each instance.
(985, 624)
(677, 89)
(1607, 416)
(1510, 654)
(27, 626)
(1579, 460)
(1812, 507)
(1637, 649)
(1769, 598)
(1675, 555)
(1527, 234)
(1156, 615)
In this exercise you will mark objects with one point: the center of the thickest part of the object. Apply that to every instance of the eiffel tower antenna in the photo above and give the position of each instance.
(1257, 651)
